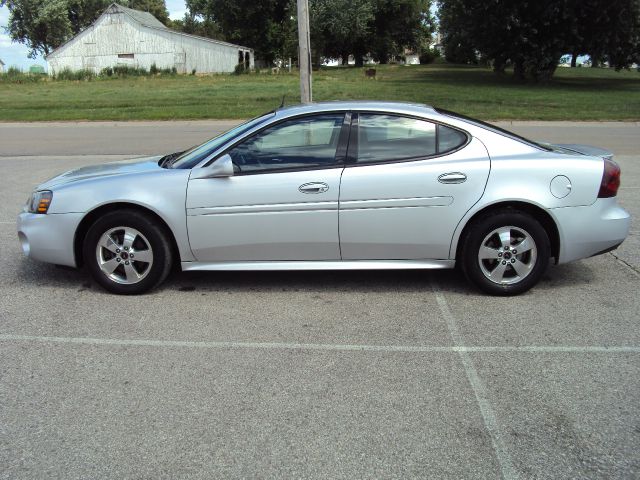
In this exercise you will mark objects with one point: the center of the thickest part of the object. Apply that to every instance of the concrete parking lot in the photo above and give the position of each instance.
(319, 374)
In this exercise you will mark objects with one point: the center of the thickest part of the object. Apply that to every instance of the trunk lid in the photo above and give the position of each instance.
(582, 149)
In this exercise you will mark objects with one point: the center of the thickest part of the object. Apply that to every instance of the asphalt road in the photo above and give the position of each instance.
(309, 375)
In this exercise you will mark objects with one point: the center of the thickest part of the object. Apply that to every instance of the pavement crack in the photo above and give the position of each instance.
(635, 270)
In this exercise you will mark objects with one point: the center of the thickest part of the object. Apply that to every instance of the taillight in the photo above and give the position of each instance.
(610, 179)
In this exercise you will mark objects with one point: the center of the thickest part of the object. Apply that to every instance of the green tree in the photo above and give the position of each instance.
(532, 35)
(457, 29)
(41, 25)
(529, 34)
(399, 24)
(382, 28)
(607, 31)
(255, 24)
(340, 27)
(195, 26)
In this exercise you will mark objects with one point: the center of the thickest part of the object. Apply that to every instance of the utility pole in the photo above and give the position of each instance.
(304, 51)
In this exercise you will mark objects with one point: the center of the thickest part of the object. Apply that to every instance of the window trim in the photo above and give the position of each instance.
(493, 128)
(352, 155)
(341, 148)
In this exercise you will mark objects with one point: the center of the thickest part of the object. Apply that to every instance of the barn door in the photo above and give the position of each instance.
(180, 62)
(90, 63)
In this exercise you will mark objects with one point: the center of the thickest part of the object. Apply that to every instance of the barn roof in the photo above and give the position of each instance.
(1, 62)
(146, 20)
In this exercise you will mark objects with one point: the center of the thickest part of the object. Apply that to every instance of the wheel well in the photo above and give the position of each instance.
(536, 212)
(92, 216)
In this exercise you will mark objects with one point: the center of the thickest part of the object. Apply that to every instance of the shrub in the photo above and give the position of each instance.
(167, 71)
(428, 56)
(68, 74)
(240, 69)
(15, 75)
(122, 71)
(153, 69)
(14, 72)
(193, 72)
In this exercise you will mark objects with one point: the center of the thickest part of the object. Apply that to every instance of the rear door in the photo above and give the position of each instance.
(406, 185)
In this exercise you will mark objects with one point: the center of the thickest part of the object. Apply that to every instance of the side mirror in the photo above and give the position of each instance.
(222, 167)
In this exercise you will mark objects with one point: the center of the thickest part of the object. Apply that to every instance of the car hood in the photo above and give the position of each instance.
(125, 167)
(582, 149)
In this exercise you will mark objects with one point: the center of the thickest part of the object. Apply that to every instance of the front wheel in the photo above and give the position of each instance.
(505, 252)
(127, 253)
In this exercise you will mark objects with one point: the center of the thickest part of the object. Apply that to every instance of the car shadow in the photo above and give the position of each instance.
(37, 274)
(331, 281)
(363, 281)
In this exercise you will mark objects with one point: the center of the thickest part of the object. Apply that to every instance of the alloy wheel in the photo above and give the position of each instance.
(124, 255)
(507, 255)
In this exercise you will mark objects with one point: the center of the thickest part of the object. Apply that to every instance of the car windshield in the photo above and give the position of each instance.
(192, 157)
(493, 128)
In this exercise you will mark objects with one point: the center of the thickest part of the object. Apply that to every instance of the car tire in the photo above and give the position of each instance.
(127, 252)
(505, 252)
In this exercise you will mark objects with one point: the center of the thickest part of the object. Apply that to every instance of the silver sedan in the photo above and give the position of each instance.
(335, 186)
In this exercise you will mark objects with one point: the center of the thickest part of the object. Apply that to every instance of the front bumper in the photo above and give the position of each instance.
(49, 238)
(590, 230)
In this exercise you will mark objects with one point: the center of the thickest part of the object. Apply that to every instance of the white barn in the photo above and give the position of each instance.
(122, 36)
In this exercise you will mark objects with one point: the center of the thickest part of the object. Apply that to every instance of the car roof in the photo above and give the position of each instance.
(399, 107)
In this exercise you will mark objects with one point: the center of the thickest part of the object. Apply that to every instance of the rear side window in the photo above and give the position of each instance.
(449, 139)
(385, 138)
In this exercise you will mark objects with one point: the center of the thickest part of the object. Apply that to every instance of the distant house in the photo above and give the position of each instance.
(122, 36)
(411, 57)
(1, 66)
(437, 43)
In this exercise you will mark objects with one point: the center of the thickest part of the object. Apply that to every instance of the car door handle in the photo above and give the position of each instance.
(453, 177)
(314, 187)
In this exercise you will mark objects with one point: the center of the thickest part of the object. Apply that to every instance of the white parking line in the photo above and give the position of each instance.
(318, 346)
(486, 410)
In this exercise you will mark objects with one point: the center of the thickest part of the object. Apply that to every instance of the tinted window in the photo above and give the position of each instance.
(192, 157)
(449, 139)
(388, 137)
(299, 143)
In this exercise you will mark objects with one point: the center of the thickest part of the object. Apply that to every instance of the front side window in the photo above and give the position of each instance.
(192, 157)
(298, 143)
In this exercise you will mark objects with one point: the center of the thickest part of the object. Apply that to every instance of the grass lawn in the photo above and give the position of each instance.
(573, 94)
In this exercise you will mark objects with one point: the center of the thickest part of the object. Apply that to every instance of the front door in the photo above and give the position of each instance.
(407, 185)
(282, 203)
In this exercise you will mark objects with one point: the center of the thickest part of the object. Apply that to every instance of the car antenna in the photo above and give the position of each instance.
(282, 103)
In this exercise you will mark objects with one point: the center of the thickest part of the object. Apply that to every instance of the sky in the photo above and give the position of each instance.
(15, 54)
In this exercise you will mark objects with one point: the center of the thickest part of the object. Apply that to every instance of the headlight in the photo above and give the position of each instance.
(40, 201)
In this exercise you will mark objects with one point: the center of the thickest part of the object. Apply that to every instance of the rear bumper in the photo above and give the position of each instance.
(590, 230)
(49, 238)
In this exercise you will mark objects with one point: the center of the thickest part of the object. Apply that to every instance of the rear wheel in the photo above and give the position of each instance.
(505, 252)
(127, 253)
